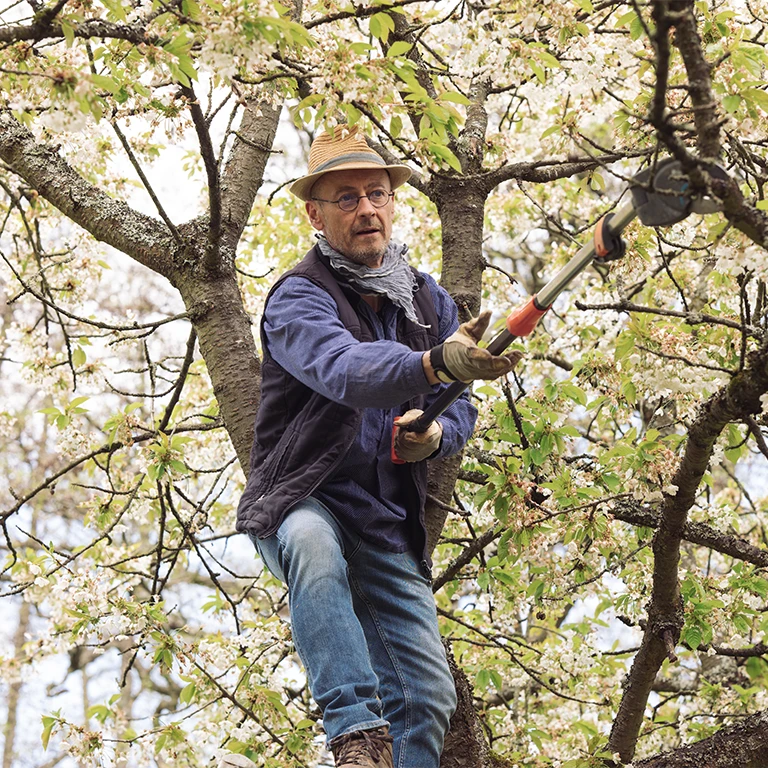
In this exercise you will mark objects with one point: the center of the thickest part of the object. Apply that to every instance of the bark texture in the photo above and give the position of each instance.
(465, 744)
(744, 745)
(461, 206)
(227, 346)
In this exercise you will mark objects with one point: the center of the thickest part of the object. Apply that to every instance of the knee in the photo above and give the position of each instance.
(309, 538)
(444, 695)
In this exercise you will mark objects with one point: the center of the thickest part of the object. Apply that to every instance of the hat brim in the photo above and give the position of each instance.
(398, 175)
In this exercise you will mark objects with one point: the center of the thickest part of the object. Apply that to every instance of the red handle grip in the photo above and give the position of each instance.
(395, 458)
(521, 321)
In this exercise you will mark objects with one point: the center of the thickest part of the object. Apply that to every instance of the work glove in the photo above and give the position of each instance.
(415, 446)
(459, 358)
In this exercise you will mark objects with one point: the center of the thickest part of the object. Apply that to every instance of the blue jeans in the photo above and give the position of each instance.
(365, 627)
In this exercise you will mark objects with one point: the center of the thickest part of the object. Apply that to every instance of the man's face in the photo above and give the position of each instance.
(361, 235)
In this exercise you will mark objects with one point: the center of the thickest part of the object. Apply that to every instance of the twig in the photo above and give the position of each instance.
(180, 382)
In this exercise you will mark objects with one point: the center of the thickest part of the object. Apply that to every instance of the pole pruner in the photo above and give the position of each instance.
(660, 197)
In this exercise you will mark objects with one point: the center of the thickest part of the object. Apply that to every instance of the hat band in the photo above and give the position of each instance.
(351, 157)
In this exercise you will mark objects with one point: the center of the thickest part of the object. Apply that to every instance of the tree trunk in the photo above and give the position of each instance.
(227, 346)
(465, 744)
(461, 207)
(14, 690)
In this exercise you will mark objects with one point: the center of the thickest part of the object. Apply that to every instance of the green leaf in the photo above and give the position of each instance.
(549, 60)
(625, 18)
(49, 723)
(731, 103)
(442, 152)
(636, 30)
(574, 392)
(381, 24)
(69, 33)
(455, 97)
(78, 357)
(107, 83)
(482, 679)
(692, 637)
(756, 96)
(188, 693)
(625, 343)
(756, 667)
(550, 131)
(398, 48)
(100, 712)
(538, 71)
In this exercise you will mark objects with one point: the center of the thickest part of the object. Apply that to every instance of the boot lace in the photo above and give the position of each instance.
(360, 747)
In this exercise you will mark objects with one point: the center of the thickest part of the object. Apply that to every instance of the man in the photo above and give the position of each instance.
(355, 342)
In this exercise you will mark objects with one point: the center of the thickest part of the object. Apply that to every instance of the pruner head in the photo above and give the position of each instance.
(660, 194)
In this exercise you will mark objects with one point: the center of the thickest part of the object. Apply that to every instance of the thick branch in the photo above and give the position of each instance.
(108, 220)
(471, 146)
(744, 745)
(41, 30)
(738, 399)
(699, 81)
(697, 533)
(244, 171)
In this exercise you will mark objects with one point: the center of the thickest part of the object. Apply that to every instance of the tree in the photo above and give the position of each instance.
(599, 548)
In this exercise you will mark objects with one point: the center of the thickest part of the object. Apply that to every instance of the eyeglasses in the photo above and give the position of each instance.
(348, 203)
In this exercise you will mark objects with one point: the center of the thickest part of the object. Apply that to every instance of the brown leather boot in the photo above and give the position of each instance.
(370, 749)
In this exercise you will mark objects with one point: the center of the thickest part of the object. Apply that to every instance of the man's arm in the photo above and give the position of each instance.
(306, 337)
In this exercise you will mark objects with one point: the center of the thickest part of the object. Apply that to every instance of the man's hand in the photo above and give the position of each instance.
(459, 358)
(415, 446)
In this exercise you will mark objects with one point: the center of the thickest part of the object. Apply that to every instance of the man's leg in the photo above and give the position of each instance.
(394, 602)
(308, 553)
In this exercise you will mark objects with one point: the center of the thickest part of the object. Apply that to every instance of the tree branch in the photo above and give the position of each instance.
(108, 220)
(744, 745)
(42, 30)
(212, 172)
(691, 318)
(733, 402)
(632, 512)
(244, 171)
(543, 171)
(698, 68)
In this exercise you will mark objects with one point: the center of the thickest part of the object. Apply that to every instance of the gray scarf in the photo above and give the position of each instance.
(393, 279)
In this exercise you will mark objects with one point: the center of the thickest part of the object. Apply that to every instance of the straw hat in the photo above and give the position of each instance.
(344, 150)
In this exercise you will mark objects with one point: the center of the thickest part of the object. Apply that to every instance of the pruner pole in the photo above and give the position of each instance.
(522, 320)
